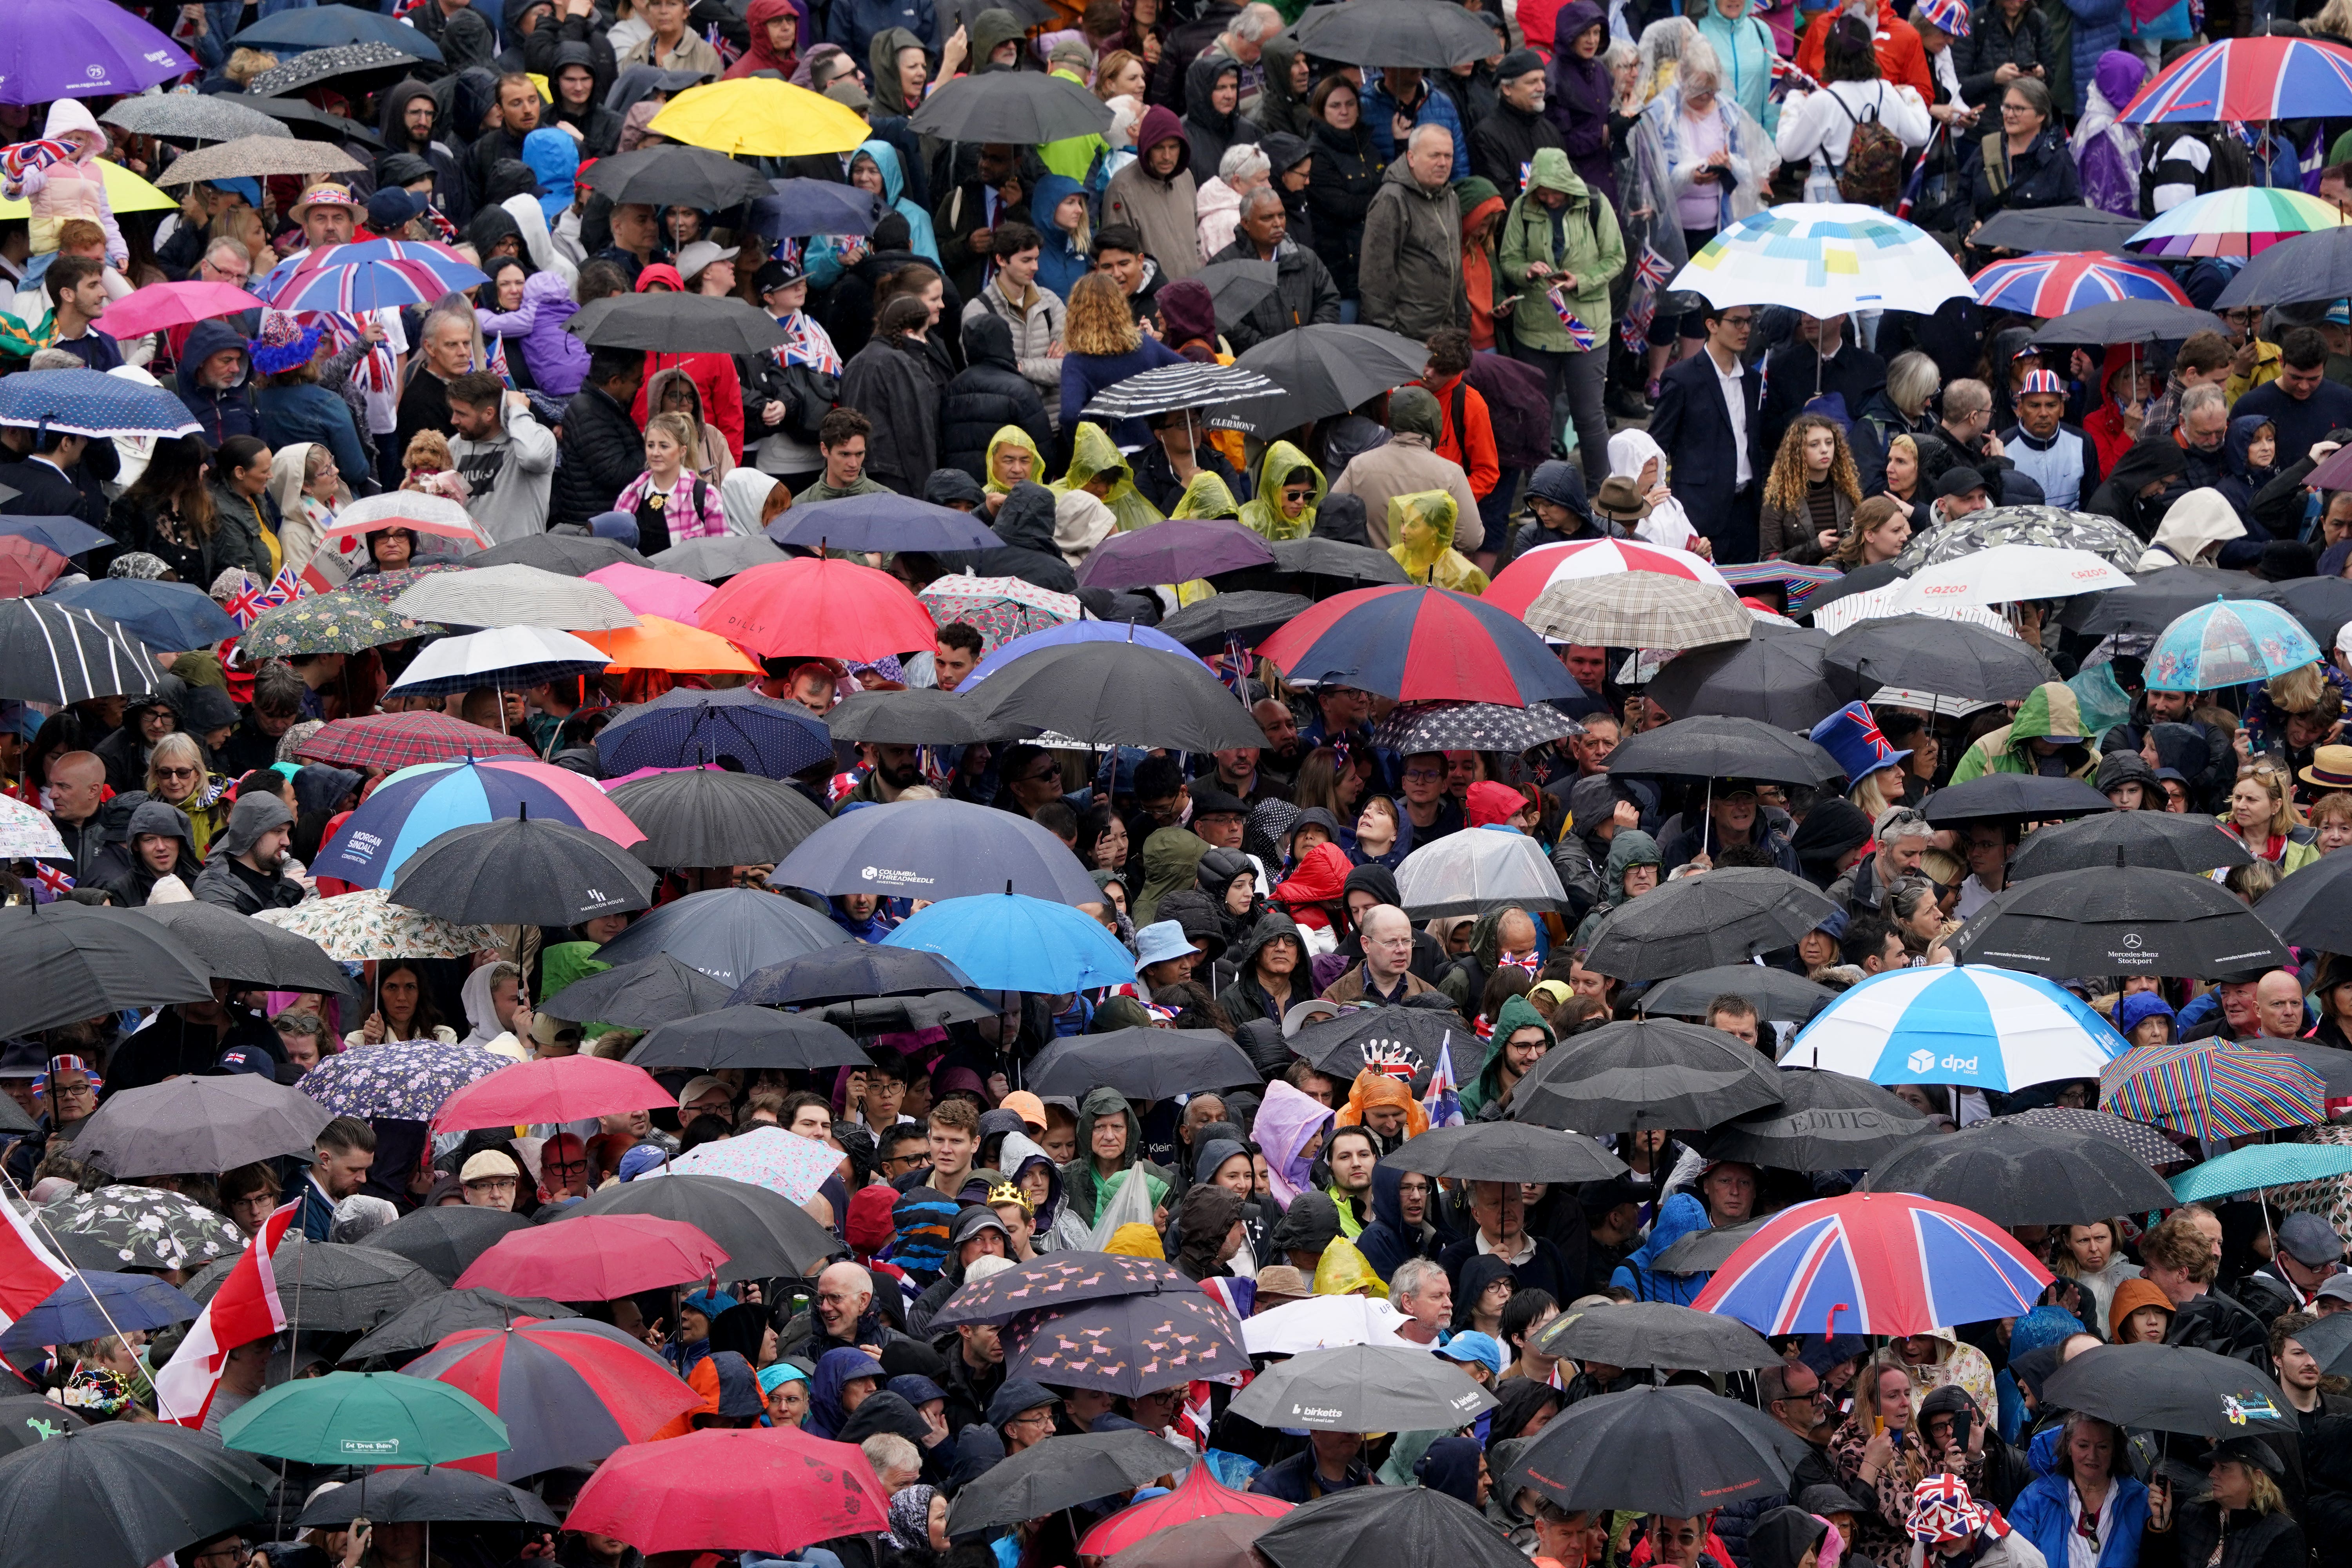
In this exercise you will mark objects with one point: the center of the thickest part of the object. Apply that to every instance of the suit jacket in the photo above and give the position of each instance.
(1693, 426)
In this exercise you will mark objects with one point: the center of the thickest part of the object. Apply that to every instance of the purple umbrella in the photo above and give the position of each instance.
(59, 49)
(1176, 550)
(1130, 1346)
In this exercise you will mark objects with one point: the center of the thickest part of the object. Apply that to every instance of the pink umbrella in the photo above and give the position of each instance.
(653, 592)
(160, 306)
(551, 1088)
(597, 1257)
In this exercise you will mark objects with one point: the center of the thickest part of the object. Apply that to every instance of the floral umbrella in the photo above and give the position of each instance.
(998, 608)
(384, 587)
(340, 622)
(27, 834)
(358, 926)
(407, 1079)
(767, 1157)
(141, 1228)
(2050, 527)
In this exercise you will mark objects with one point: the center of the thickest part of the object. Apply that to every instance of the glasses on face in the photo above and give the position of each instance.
(1737, 324)
(175, 772)
(1424, 774)
(2016, 109)
(1043, 1418)
(257, 1202)
(74, 1091)
(567, 1167)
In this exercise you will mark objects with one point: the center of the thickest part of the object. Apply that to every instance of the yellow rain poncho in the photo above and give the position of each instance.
(1092, 454)
(1263, 512)
(1342, 1271)
(1206, 497)
(1422, 524)
(1014, 436)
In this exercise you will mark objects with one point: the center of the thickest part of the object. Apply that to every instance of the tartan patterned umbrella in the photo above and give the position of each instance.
(395, 741)
(2213, 1089)
(1639, 609)
(998, 608)
(403, 1079)
(338, 622)
(358, 926)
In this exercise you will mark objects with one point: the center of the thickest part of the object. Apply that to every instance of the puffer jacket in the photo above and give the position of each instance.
(558, 359)
(989, 394)
(1036, 322)
(600, 453)
(1410, 275)
(1595, 253)
(220, 412)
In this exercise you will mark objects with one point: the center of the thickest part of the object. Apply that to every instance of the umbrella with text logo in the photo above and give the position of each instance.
(1975, 1026)
(934, 849)
(2172, 1388)
(1825, 1121)
(365, 1419)
(1363, 1388)
(527, 870)
(2118, 919)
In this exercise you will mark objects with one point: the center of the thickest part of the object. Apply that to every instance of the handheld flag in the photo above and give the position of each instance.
(29, 1272)
(1442, 1101)
(245, 1309)
(1583, 336)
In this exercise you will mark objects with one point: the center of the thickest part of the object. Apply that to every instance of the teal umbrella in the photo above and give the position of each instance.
(2261, 1166)
(2226, 643)
(366, 1418)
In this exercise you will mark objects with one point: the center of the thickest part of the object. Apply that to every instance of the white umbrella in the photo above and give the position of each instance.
(1323, 1322)
(1880, 603)
(1825, 258)
(511, 657)
(1474, 872)
(2007, 573)
(514, 596)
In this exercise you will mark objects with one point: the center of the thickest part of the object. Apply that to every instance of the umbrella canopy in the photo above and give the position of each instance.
(2022, 1175)
(1654, 1072)
(1874, 1263)
(1507, 1151)
(773, 1490)
(686, 728)
(442, 1241)
(1479, 873)
(2156, 599)
(27, 568)
(767, 1157)
(729, 933)
(1704, 1251)
(1777, 678)
(407, 811)
(2172, 1388)
(2244, 220)
(1656, 1333)
(1724, 747)
(331, 1289)
(315, 65)
(2321, 605)
(1060, 1473)
(257, 157)
(53, 653)
(120, 1493)
(639, 995)
(762, 118)
(565, 556)
(1975, 1026)
(802, 207)
(159, 306)
(353, 927)
(2126, 321)
(671, 647)
(2315, 911)
(345, 621)
(1324, 370)
(2007, 572)
(1140, 1063)
(918, 717)
(94, 1304)
(601, 1257)
(1928, 653)
(1019, 106)
(661, 176)
(1175, 386)
(1658, 1450)
(1825, 1121)
(1236, 288)
(28, 1420)
(379, 275)
(1639, 609)
(2054, 283)
(534, 871)
(56, 49)
(66, 535)
(709, 816)
(1322, 1323)
(552, 1089)
(424, 1324)
(364, 1419)
(2164, 840)
(1418, 644)
(172, 617)
(394, 741)
(1065, 635)
(1009, 941)
(190, 116)
(1131, 1346)
(1382, 1038)
(1119, 694)
(90, 961)
(231, 947)
(2302, 267)
(1057, 1280)
(2247, 80)
(851, 971)
(879, 522)
(1825, 258)
(675, 323)
(401, 1080)
(763, 1233)
(2260, 1166)
(708, 560)
(2049, 527)
(2145, 1143)
(1317, 568)
(28, 833)
(1520, 584)
(1200, 1499)
(884, 1015)
(998, 608)
(427, 1497)
(1176, 550)
(818, 605)
(1385, 1527)
(508, 656)
(1393, 32)
(572, 1390)
(128, 1226)
(1363, 1388)
(1774, 992)
(517, 596)
(194, 1124)
(2119, 920)
(1727, 916)
(419, 511)
(300, 32)
(934, 849)
(2213, 1089)
(2017, 796)
(2228, 643)
(1412, 726)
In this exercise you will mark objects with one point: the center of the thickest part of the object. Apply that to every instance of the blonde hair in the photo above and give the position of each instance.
(177, 746)
(1100, 321)
(244, 65)
(2298, 690)
(2285, 817)
(679, 428)
(1785, 487)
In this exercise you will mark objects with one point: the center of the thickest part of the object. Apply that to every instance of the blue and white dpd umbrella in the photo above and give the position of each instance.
(1975, 1026)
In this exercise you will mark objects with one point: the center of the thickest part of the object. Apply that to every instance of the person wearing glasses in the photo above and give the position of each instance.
(1705, 423)
(176, 775)
(69, 1093)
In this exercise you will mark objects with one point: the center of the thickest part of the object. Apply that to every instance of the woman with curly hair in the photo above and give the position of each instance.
(1811, 494)
(1102, 346)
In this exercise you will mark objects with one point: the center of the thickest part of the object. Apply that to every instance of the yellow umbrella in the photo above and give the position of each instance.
(762, 117)
(125, 192)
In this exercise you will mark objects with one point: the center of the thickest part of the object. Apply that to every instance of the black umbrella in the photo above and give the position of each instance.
(1657, 1450)
(727, 932)
(2128, 321)
(313, 124)
(1952, 658)
(676, 176)
(1363, 1388)
(2313, 909)
(526, 869)
(2058, 229)
(1057, 1280)
(1386, 1527)
(2145, 1144)
(232, 947)
(1377, 1036)
(1377, 32)
(333, 1290)
(1415, 727)
(445, 1241)
(639, 995)
(1062, 1472)
(2025, 797)
(1206, 626)
(1236, 288)
(675, 323)
(2322, 604)
(799, 208)
(312, 66)
(1713, 746)
(199, 1123)
(2172, 1388)
(2118, 919)
(1727, 915)
(2167, 840)
(1704, 1251)
(1825, 1121)
(12, 1118)
(1774, 992)
(2015, 1174)
(709, 816)
(923, 716)
(428, 1322)
(945, 849)
(567, 555)
(1140, 1063)
(764, 1233)
(53, 653)
(750, 1038)
(2156, 599)
(884, 1015)
(1022, 107)
(1323, 370)
(438, 1496)
(852, 972)
(1656, 1333)
(1317, 568)
(90, 962)
(1131, 1346)
(1507, 1151)
(1649, 1072)
(2303, 267)
(1121, 694)
(2328, 1340)
(1776, 676)
(26, 1419)
(123, 1493)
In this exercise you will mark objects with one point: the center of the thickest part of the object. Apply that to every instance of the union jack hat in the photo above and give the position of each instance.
(1942, 1510)
(1946, 15)
(2042, 381)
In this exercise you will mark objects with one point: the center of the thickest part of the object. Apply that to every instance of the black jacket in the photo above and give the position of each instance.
(1692, 425)
(1303, 293)
(1993, 43)
(2252, 1541)
(894, 383)
(1854, 372)
(1024, 522)
(43, 491)
(1507, 141)
(600, 453)
(1341, 184)
(962, 210)
(990, 394)
(2044, 177)
(2217, 1323)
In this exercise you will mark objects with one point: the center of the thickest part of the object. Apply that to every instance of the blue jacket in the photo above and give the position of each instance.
(317, 1216)
(1385, 1242)
(1380, 112)
(1681, 1214)
(2043, 1515)
(1060, 264)
(854, 23)
(309, 412)
(824, 249)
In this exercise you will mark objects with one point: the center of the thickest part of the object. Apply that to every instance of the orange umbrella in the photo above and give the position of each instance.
(659, 644)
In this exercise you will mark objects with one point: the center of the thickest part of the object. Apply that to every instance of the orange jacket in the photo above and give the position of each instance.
(1478, 431)
(1901, 60)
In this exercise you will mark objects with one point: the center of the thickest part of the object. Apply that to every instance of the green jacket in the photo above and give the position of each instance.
(1595, 254)
(1514, 1014)
(2050, 708)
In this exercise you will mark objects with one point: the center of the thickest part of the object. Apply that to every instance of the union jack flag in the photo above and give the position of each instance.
(285, 588)
(54, 881)
(1653, 270)
(1787, 78)
(727, 53)
(376, 367)
(1444, 1101)
(244, 606)
(496, 365)
(39, 153)
(1583, 336)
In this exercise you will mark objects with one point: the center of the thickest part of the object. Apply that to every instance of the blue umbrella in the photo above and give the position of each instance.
(66, 535)
(2261, 1166)
(683, 729)
(2228, 643)
(936, 850)
(1074, 632)
(814, 207)
(1007, 943)
(94, 1304)
(325, 26)
(417, 805)
(171, 617)
(90, 402)
(883, 521)
(67, 49)
(729, 933)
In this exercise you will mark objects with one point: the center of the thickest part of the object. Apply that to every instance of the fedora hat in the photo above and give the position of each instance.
(1619, 501)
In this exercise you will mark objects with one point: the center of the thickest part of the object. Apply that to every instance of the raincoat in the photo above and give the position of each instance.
(1093, 453)
(1679, 1216)
(1581, 239)
(1263, 513)
(1423, 526)
(1342, 1271)
(1085, 1195)
(1483, 1090)
(1172, 858)
(1288, 1120)
(1207, 496)
(825, 258)
(2050, 710)
(1630, 847)
(1019, 1152)
(64, 191)
(1019, 437)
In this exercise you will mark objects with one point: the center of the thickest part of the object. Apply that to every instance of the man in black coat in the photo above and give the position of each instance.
(601, 449)
(1818, 355)
(1023, 520)
(1718, 466)
(1302, 291)
(518, 106)
(1506, 142)
(989, 394)
(57, 476)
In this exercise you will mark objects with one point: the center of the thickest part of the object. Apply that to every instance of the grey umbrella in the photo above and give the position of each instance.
(1236, 288)
(919, 717)
(2168, 840)
(2156, 599)
(1507, 1151)
(235, 948)
(1825, 1121)
(1060, 1473)
(1776, 676)
(1121, 694)
(445, 1241)
(1656, 1333)
(708, 560)
(257, 157)
(1141, 1063)
(763, 1233)
(191, 1124)
(1204, 627)
(527, 869)
(314, 66)
(1726, 746)
(1774, 992)
(1953, 658)
(753, 1037)
(561, 554)
(1024, 107)
(192, 117)
(90, 962)
(1727, 916)
(708, 816)
(1377, 33)
(330, 1289)
(639, 995)
(2013, 1173)
(122, 1493)
(1325, 370)
(675, 323)
(1651, 1072)
(1703, 1251)
(514, 596)
(438, 1496)
(1363, 1388)
(422, 1325)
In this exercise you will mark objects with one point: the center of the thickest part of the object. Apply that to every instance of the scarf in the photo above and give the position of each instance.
(910, 1518)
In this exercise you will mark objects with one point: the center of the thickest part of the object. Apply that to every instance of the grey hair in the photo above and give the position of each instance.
(233, 246)
(1256, 22)
(1412, 1276)
(1420, 132)
(1699, 68)
(2206, 395)
(889, 1451)
(1258, 196)
(55, 359)
(1906, 896)
(1248, 161)
(1622, 52)
(1911, 380)
(1967, 397)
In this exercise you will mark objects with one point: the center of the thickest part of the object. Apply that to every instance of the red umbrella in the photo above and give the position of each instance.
(28, 567)
(571, 1390)
(551, 1088)
(1199, 1496)
(161, 305)
(595, 1258)
(395, 741)
(818, 605)
(750, 1490)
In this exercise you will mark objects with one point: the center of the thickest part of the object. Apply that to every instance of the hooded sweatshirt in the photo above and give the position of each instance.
(1679, 1216)
(1019, 1152)
(73, 188)
(1085, 1194)
(2050, 712)
(2203, 520)
(232, 884)
(1207, 132)
(1162, 210)
(1024, 522)
(1284, 1124)
(1517, 1012)
(1630, 847)
(137, 886)
(220, 412)
(1387, 1240)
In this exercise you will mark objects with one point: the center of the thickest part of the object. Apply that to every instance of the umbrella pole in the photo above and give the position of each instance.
(34, 1212)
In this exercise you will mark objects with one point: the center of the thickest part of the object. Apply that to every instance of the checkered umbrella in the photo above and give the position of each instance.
(395, 741)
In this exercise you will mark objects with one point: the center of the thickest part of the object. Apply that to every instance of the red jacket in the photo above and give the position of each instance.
(1901, 60)
(1478, 431)
(713, 375)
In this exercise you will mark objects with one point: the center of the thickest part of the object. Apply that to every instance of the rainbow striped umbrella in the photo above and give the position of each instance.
(2055, 282)
(2244, 220)
(2244, 80)
(2213, 1089)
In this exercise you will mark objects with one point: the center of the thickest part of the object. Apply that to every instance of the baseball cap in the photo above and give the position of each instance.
(2310, 1240)
(1025, 1105)
(2042, 381)
(696, 1087)
(1475, 1346)
(1959, 482)
(701, 254)
(777, 273)
(640, 1159)
(247, 1058)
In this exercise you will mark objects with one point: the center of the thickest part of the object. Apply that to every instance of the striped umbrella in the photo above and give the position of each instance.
(1977, 1026)
(2228, 643)
(1419, 645)
(2058, 281)
(1172, 386)
(2259, 1166)
(2243, 220)
(2213, 1089)
(52, 653)
(1517, 585)
(2246, 80)
(417, 805)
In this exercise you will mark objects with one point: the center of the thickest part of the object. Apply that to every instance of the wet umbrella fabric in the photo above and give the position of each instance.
(529, 870)
(443, 1241)
(91, 961)
(2024, 1175)
(1657, 1450)
(1380, 1037)
(729, 933)
(1656, 1333)
(428, 1322)
(1728, 916)
(1778, 675)
(92, 1305)
(1775, 992)
(1130, 1346)
(123, 1493)
(2121, 920)
(365, 1419)
(439, 1496)
(1825, 1121)
(570, 1391)
(199, 1123)
(709, 816)
(252, 952)
(1362, 1388)
(1387, 1527)
(1062, 1473)
(28, 1420)
(1119, 694)
(1952, 658)
(940, 849)
(2164, 840)
(640, 994)
(1654, 1072)
(1507, 1151)
(749, 1038)
(333, 1288)
(2028, 796)
(763, 1233)
(1058, 1279)
(773, 1490)
(2172, 1388)
(1725, 747)
(851, 971)
(1141, 1063)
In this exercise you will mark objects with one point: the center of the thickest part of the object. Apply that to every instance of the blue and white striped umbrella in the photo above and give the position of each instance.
(91, 403)
(1976, 1026)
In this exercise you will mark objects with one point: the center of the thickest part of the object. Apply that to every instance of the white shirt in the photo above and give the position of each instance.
(1527, 1249)
(1735, 402)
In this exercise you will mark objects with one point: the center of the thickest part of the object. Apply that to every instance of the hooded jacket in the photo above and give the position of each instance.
(449, 193)
(134, 888)
(1246, 997)
(1207, 1214)
(558, 359)
(2142, 464)
(2050, 710)
(1162, 210)
(228, 882)
(988, 394)
(1284, 1122)
(1084, 1195)
(1060, 263)
(224, 411)
(893, 382)
(1171, 857)
(1487, 1088)
(1410, 275)
(1630, 847)
(2200, 521)
(1593, 250)
(1387, 1240)
(1024, 522)
(1206, 131)
(1304, 293)
(1019, 1152)
(1679, 1216)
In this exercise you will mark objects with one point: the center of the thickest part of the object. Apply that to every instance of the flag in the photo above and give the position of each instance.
(244, 606)
(1238, 1296)
(55, 881)
(29, 1272)
(727, 52)
(1583, 336)
(1653, 270)
(285, 588)
(245, 1309)
(1442, 1101)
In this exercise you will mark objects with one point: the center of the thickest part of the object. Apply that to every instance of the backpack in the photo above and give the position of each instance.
(1872, 173)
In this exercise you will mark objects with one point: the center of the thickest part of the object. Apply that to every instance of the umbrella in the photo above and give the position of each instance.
(708, 560)
(663, 177)
(2147, 1144)
(51, 653)
(1506, 1151)
(2024, 1175)
(442, 1241)
(28, 1420)
(329, 1289)
(598, 1258)
(129, 1226)
(27, 568)
(1639, 609)
(1393, 32)
(1653, 1333)
(1363, 1388)
(708, 816)
(1009, 941)
(427, 1497)
(2172, 1388)
(1418, 644)
(1520, 584)
(1057, 1280)
(2213, 1089)
(2243, 220)
(2314, 912)
(1825, 1121)
(257, 157)
(233, 948)
(1727, 916)
(819, 605)
(509, 658)
(1911, 1026)
(191, 117)
(760, 117)
(1317, 568)
(1207, 624)
(364, 1419)
(570, 1391)
(298, 32)
(1121, 694)
(1140, 1063)
(2047, 526)
(2030, 797)
(770, 1157)
(120, 1493)
(767, 1490)
(685, 728)
(934, 849)
(2326, 1345)
(1322, 1323)
(2323, 604)
(161, 305)
(729, 933)
(340, 622)
(1774, 992)
(1655, 1072)
(2121, 920)
(1236, 288)
(1132, 1346)
(2156, 599)
(1064, 635)
(2127, 321)
(1825, 258)
(2304, 267)
(1412, 727)
(2168, 841)
(191, 1124)
(851, 971)
(2052, 284)
(407, 811)
(399, 1080)
(1062, 1473)
(1174, 552)
(1178, 386)
(1704, 1251)
(671, 647)
(172, 617)
(1725, 747)
(375, 275)
(2259, 1166)
(1200, 1499)
(1931, 655)
(919, 717)
(353, 927)
(998, 608)
(639, 995)
(66, 535)
(1324, 369)
(94, 1304)
(1022, 107)
(1658, 1450)
(90, 961)
(884, 1015)
(675, 323)
(1380, 1038)
(1386, 1527)
(565, 556)
(763, 1233)
(1776, 677)
(2057, 228)
(54, 49)
(310, 68)
(426, 1323)
(315, 125)
(799, 208)
(880, 522)
(2228, 643)
(2247, 80)
(416, 511)
(1479, 873)
(552, 1089)
(28, 833)
(516, 596)
(1873, 1263)
(2007, 572)
(531, 871)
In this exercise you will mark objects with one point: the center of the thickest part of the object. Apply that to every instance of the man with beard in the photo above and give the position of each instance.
(247, 872)
(889, 770)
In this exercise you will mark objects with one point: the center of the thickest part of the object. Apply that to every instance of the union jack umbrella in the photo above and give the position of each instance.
(1874, 1263)
(2245, 81)
(2057, 282)
(373, 274)
(2213, 1089)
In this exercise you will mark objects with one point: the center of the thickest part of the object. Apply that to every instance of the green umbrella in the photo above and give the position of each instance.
(328, 622)
(366, 1418)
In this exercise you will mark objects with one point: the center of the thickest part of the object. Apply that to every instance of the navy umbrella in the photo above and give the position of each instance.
(684, 729)
(802, 207)
(66, 535)
(748, 1038)
(91, 403)
(882, 521)
(728, 933)
(533, 870)
(938, 850)
(94, 1304)
(851, 971)
(325, 26)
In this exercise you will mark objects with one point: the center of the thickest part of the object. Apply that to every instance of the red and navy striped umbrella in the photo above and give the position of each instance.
(2245, 81)
(2055, 282)
(1419, 645)
(571, 1390)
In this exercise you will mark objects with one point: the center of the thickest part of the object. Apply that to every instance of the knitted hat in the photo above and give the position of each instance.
(1831, 828)
(283, 343)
